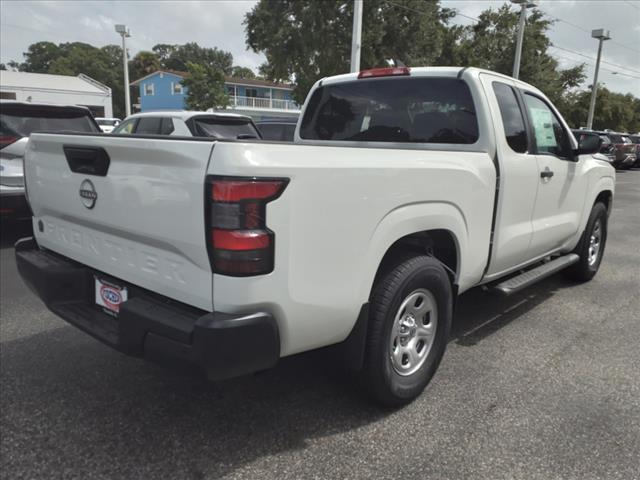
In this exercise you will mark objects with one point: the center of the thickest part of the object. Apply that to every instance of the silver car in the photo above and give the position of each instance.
(17, 121)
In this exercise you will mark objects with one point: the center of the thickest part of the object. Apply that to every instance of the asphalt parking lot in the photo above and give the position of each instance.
(541, 385)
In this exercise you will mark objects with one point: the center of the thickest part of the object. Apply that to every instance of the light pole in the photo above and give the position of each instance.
(524, 4)
(124, 33)
(356, 36)
(602, 35)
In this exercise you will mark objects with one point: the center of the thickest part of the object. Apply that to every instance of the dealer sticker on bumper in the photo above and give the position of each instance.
(110, 296)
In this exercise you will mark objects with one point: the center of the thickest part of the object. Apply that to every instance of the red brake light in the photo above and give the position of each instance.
(239, 242)
(236, 190)
(6, 140)
(384, 72)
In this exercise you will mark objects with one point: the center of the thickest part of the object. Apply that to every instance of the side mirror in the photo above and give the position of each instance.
(589, 143)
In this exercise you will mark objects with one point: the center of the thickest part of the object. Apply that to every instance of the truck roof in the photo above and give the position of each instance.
(434, 72)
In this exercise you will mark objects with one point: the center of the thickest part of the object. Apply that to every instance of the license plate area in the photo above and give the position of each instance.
(109, 295)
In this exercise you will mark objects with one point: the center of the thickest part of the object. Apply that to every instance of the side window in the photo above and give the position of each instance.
(149, 126)
(126, 127)
(148, 89)
(551, 137)
(512, 120)
(166, 127)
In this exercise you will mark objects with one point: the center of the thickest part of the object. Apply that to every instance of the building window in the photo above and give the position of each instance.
(176, 88)
(8, 95)
(251, 92)
(231, 90)
(148, 89)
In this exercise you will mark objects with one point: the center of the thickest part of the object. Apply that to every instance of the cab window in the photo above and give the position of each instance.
(549, 135)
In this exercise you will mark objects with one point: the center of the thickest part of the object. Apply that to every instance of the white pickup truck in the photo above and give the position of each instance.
(404, 188)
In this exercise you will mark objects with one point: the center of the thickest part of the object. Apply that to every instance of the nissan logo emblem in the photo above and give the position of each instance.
(88, 194)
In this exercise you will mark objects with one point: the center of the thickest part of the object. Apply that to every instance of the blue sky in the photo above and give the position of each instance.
(219, 23)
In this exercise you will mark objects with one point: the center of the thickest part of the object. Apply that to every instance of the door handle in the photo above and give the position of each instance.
(87, 160)
(546, 173)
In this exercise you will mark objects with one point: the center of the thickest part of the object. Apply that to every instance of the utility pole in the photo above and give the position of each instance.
(602, 35)
(125, 32)
(356, 36)
(524, 4)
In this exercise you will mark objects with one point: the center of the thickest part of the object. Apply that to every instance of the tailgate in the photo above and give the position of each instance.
(141, 219)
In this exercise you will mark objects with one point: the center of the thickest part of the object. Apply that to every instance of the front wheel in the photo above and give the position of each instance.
(590, 249)
(409, 322)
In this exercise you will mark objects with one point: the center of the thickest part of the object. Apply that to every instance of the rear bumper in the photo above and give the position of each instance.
(13, 204)
(148, 325)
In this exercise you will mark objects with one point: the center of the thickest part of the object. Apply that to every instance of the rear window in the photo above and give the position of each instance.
(106, 122)
(408, 109)
(24, 120)
(224, 128)
(635, 138)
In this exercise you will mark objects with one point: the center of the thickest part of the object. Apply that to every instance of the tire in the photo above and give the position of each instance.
(590, 249)
(397, 366)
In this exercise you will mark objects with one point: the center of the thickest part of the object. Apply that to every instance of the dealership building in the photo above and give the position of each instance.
(57, 89)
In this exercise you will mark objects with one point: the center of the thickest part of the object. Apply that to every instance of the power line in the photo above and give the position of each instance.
(631, 4)
(591, 58)
(578, 62)
(578, 27)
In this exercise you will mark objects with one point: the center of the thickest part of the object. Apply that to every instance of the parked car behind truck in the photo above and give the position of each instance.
(404, 189)
(189, 123)
(17, 121)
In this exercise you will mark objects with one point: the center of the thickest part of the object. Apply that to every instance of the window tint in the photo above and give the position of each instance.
(227, 128)
(126, 127)
(24, 120)
(148, 126)
(407, 109)
(512, 120)
(550, 137)
(166, 127)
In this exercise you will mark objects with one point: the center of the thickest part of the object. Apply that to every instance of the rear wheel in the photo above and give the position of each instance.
(590, 249)
(409, 323)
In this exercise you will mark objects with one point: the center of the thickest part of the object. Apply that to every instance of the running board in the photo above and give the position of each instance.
(515, 284)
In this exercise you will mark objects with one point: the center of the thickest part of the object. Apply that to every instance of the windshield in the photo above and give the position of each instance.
(217, 127)
(24, 120)
(392, 109)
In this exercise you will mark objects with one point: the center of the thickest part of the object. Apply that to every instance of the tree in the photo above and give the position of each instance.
(3, 66)
(143, 64)
(491, 44)
(205, 85)
(308, 39)
(242, 72)
(176, 57)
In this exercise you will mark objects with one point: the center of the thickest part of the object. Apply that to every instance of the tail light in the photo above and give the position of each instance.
(239, 242)
(6, 140)
(384, 72)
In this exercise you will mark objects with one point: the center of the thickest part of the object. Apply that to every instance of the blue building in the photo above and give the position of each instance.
(262, 100)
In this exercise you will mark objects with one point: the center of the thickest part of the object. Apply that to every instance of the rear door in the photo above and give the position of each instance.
(562, 187)
(131, 208)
